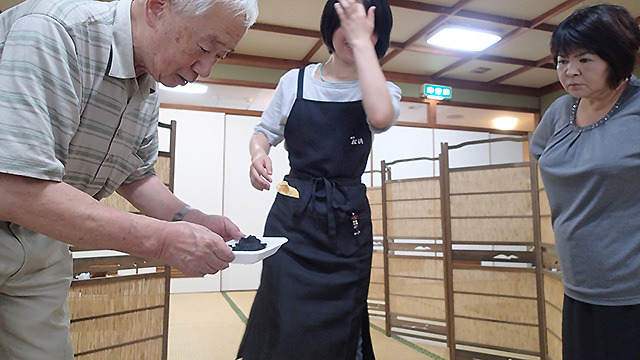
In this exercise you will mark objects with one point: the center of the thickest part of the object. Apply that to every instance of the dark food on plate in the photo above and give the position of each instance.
(249, 243)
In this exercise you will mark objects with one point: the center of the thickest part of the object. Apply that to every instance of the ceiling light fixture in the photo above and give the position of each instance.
(189, 88)
(465, 39)
(505, 123)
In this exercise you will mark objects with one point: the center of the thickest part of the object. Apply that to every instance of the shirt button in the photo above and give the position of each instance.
(110, 158)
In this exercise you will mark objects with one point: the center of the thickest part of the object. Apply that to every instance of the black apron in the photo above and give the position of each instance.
(312, 299)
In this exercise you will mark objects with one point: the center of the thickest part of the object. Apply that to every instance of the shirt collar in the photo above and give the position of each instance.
(122, 66)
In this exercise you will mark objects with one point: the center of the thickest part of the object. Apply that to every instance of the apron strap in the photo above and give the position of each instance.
(300, 83)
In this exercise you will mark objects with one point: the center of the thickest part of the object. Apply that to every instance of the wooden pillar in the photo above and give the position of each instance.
(385, 247)
(445, 202)
(537, 243)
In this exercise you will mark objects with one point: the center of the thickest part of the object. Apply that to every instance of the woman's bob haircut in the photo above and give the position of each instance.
(330, 22)
(606, 30)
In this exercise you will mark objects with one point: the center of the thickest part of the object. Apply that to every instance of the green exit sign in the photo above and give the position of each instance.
(436, 92)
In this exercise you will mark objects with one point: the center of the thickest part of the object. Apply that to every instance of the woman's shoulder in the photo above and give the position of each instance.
(634, 83)
(564, 102)
(292, 74)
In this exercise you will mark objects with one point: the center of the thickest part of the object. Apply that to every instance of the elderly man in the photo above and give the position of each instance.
(78, 121)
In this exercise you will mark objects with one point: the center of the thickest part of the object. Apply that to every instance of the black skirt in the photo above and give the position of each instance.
(596, 332)
(312, 299)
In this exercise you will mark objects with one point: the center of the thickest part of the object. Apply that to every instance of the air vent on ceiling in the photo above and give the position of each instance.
(480, 70)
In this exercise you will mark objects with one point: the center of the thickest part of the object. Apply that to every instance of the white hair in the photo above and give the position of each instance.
(248, 8)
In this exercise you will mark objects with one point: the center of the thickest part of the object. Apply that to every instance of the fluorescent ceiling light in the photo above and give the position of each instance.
(505, 123)
(463, 39)
(189, 88)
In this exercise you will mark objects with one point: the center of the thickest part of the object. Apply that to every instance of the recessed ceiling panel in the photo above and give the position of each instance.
(418, 63)
(517, 9)
(408, 22)
(267, 44)
(447, 3)
(291, 13)
(535, 78)
(477, 70)
(632, 5)
(530, 45)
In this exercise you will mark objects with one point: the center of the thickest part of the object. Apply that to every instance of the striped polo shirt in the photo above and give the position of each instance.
(71, 107)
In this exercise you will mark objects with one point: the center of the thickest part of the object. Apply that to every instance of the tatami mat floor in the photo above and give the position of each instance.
(209, 326)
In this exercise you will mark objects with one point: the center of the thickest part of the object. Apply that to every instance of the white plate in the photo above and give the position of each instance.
(252, 257)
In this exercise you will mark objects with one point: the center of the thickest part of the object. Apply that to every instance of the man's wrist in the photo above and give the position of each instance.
(181, 213)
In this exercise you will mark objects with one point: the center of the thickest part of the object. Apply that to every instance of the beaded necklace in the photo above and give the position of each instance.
(614, 109)
(334, 82)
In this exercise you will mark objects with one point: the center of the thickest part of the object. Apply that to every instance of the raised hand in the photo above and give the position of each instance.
(357, 23)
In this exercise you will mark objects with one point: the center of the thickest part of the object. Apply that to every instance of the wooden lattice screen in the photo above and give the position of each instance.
(116, 315)
(553, 289)
(460, 259)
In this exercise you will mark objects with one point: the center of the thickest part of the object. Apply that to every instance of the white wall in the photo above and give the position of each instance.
(412, 142)
(246, 206)
(212, 174)
(198, 176)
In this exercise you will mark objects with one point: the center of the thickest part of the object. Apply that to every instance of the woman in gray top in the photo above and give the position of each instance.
(589, 158)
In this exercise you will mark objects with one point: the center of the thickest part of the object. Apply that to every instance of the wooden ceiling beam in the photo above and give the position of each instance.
(483, 86)
(520, 29)
(232, 82)
(513, 34)
(514, 73)
(460, 84)
(261, 61)
(457, 64)
(546, 62)
(554, 12)
(409, 45)
(415, 5)
(280, 64)
(287, 30)
(441, 19)
(483, 57)
(549, 89)
(445, 13)
(504, 20)
(313, 51)
(390, 55)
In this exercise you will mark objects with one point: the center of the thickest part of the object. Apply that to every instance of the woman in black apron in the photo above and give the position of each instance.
(312, 300)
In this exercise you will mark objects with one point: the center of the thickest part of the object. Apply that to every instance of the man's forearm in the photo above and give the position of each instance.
(152, 198)
(62, 212)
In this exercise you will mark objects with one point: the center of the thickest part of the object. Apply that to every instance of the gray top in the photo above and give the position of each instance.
(592, 178)
(274, 118)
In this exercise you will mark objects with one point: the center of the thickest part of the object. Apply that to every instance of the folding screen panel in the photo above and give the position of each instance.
(490, 229)
(119, 304)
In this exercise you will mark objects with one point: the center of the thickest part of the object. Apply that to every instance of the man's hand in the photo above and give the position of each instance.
(195, 250)
(220, 225)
